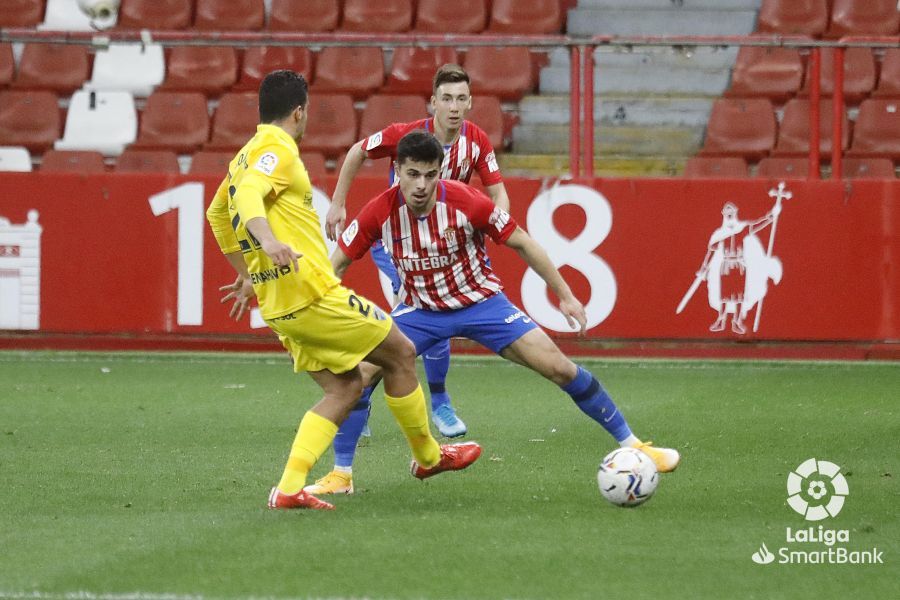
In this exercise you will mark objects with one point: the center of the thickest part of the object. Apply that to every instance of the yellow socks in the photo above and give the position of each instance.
(313, 438)
(411, 415)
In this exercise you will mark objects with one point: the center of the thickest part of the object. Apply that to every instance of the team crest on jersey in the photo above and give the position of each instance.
(374, 141)
(267, 163)
(449, 235)
(350, 233)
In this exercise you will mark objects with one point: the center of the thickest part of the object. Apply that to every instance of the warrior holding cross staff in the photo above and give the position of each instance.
(737, 271)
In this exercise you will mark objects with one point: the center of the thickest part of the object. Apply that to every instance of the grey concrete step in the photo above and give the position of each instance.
(543, 138)
(672, 21)
(699, 57)
(649, 79)
(668, 4)
(620, 110)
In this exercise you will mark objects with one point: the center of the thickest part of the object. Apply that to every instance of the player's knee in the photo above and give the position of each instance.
(561, 371)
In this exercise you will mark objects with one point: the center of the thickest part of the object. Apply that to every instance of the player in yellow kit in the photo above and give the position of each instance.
(263, 219)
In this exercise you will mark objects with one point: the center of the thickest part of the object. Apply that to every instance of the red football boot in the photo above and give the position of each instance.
(301, 499)
(453, 458)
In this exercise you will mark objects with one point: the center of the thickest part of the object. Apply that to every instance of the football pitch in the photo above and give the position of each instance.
(145, 475)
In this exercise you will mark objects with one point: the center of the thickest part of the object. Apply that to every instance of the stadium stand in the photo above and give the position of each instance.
(207, 69)
(65, 15)
(174, 121)
(261, 60)
(740, 127)
(311, 15)
(859, 74)
(334, 127)
(807, 17)
(889, 77)
(877, 129)
(21, 13)
(868, 168)
(379, 169)
(460, 16)
(380, 16)
(358, 71)
(863, 17)
(487, 114)
(133, 68)
(793, 132)
(781, 167)
(7, 65)
(716, 167)
(101, 121)
(536, 16)
(155, 14)
(30, 119)
(502, 72)
(315, 166)
(234, 121)
(210, 162)
(775, 73)
(147, 161)
(15, 159)
(72, 161)
(412, 69)
(383, 109)
(230, 15)
(61, 68)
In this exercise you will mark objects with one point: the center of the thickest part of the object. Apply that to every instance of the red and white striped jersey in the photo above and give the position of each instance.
(440, 257)
(472, 151)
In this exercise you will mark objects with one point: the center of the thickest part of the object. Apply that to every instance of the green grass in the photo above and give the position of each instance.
(124, 473)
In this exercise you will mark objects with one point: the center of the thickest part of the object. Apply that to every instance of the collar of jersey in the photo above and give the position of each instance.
(276, 131)
(442, 197)
(429, 127)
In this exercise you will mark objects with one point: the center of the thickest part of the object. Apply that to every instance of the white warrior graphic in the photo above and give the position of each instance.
(737, 270)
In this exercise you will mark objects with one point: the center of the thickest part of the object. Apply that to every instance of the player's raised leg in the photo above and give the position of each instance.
(538, 352)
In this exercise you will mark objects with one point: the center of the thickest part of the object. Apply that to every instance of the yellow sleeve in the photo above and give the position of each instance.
(269, 169)
(219, 222)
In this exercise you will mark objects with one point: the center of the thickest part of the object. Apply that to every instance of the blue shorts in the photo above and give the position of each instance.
(494, 323)
(384, 263)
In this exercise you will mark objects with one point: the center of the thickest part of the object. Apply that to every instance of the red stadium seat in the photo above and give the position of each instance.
(211, 162)
(487, 114)
(174, 121)
(503, 72)
(315, 166)
(311, 15)
(30, 119)
(259, 61)
(155, 14)
(207, 69)
(377, 169)
(230, 15)
(864, 17)
(72, 161)
(717, 167)
(234, 122)
(775, 73)
(868, 168)
(22, 13)
(793, 134)
(889, 80)
(877, 129)
(7, 65)
(535, 16)
(62, 68)
(377, 17)
(331, 127)
(412, 69)
(460, 16)
(740, 127)
(783, 167)
(147, 161)
(356, 71)
(859, 73)
(808, 17)
(383, 109)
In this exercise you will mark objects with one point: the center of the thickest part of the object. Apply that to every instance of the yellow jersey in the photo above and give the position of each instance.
(267, 179)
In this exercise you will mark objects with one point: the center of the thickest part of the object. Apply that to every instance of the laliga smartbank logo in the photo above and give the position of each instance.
(817, 490)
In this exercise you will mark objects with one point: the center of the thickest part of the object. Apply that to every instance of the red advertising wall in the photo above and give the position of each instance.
(132, 254)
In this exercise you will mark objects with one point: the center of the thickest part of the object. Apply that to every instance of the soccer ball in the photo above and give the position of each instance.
(627, 477)
(99, 9)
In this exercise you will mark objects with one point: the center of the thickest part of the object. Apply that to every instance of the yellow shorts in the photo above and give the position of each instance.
(336, 333)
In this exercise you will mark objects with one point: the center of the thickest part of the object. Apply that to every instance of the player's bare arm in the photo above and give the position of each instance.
(337, 212)
(497, 193)
(340, 262)
(281, 254)
(536, 258)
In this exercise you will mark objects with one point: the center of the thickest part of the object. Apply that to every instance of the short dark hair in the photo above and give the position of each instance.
(449, 73)
(280, 93)
(419, 146)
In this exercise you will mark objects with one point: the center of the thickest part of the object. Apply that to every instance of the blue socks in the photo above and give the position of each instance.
(351, 429)
(593, 401)
(437, 363)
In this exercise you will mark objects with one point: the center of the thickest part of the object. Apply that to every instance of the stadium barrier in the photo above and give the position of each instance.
(132, 255)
